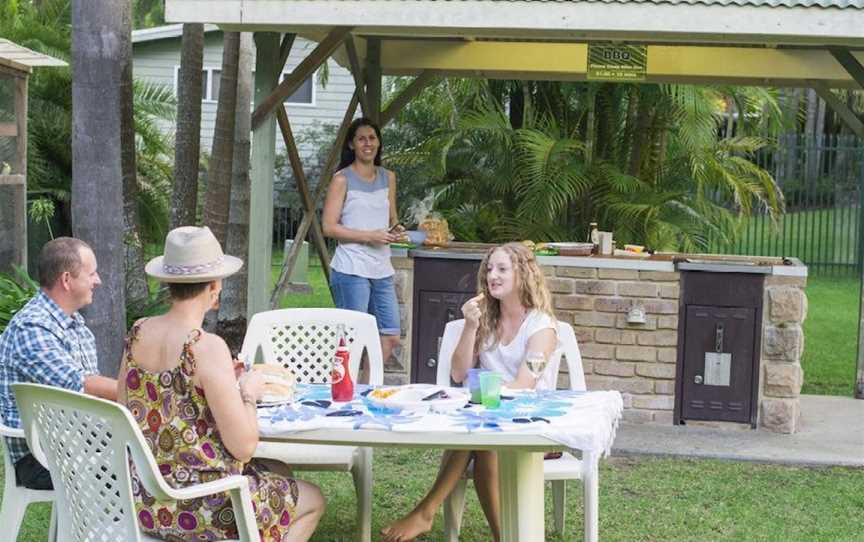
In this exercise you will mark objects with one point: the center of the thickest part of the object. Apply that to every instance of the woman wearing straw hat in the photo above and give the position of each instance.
(199, 420)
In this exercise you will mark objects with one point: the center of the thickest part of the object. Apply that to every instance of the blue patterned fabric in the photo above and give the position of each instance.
(42, 345)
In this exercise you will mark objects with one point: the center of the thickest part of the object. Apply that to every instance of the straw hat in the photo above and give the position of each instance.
(192, 254)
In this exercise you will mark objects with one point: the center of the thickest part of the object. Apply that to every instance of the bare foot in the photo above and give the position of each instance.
(408, 528)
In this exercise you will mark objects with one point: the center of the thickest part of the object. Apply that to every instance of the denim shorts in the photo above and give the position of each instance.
(375, 296)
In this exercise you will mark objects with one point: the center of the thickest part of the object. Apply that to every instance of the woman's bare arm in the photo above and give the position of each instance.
(236, 416)
(543, 341)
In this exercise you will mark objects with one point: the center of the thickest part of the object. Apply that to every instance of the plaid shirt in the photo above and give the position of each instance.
(43, 345)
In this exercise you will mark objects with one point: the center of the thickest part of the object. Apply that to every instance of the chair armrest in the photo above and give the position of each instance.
(6, 431)
(241, 500)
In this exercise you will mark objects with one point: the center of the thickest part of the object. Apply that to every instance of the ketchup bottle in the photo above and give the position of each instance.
(342, 388)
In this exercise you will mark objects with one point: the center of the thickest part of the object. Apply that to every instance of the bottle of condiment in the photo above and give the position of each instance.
(341, 387)
(594, 236)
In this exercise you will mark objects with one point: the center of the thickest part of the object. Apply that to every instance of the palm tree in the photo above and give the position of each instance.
(218, 194)
(97, 187)
(643, 159)
(187, 148)
(232, 311)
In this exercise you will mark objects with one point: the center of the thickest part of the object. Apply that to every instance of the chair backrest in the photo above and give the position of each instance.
(84, 442)
(568, 348)
(304, 341)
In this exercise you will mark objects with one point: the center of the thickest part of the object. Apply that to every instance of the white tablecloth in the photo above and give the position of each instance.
(584, 421)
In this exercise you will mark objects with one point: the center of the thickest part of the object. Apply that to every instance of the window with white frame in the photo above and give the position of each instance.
(211, 79)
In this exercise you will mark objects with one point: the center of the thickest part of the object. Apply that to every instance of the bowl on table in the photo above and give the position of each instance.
(416, 236)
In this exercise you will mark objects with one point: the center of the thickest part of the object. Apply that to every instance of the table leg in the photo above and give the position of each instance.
(591, 495)
(520, 477)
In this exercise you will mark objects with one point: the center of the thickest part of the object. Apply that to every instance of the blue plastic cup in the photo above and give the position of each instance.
(474, 383)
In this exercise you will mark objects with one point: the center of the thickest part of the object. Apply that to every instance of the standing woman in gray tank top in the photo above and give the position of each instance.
(359, 212)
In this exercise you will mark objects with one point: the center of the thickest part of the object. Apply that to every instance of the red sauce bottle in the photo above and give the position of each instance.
(342, 387)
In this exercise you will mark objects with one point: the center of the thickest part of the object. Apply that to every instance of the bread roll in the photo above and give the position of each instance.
(278, 382)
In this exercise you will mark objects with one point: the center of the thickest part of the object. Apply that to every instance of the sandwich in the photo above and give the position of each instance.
(279, 382)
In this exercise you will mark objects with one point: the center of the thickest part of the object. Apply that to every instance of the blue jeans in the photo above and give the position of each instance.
(375, 296)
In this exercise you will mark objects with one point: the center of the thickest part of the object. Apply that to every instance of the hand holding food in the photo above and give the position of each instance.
(471, 310)
(383, 237)
(252, 385)
(278, 382)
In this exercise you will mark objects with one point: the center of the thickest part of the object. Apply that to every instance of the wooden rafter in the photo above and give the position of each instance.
(306, 222)
(847, 115)
(356, 72)
(849, 63)
(308, 66)
(373, 79)
(303, 188)
(404, 98)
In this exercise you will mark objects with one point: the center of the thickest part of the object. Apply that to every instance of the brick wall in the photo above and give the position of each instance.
(635, 359)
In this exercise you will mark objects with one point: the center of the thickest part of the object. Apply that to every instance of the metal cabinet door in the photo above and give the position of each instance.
(719, 359)
(435, 310)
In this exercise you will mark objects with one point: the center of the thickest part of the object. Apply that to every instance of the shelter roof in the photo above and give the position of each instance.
(745, 42)
(24, 59)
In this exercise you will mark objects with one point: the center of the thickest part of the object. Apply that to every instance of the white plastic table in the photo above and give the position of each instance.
(520, 473)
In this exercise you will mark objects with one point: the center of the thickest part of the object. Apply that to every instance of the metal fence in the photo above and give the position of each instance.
(821, 179)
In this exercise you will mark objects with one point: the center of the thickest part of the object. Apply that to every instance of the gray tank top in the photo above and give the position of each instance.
(366, 208)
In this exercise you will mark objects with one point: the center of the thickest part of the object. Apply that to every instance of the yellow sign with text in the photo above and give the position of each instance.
(613, 62)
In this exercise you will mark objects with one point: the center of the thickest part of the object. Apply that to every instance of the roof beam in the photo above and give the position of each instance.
(569, 61)
(291, 83)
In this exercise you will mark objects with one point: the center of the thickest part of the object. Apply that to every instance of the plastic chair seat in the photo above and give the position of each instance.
(87, 444)
(556, 471)
(17, 498)
(313, 457)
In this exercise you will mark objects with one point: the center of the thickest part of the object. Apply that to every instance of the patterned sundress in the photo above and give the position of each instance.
(180, 430)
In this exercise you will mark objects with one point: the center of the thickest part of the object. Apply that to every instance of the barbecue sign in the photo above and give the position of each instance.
(616, 62)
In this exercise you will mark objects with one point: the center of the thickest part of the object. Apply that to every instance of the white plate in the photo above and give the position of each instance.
(410, 398)
(274, 400)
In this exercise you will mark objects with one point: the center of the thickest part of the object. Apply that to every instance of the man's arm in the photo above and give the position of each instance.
(101, 386)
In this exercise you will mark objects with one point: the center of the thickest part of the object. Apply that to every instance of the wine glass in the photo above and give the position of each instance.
(536, 362)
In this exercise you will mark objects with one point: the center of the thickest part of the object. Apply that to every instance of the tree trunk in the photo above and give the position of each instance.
(187, 147)
(101, 48)
(232, 312)
(136, 282)
(218, 196)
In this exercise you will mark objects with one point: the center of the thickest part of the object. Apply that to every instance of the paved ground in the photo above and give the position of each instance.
(831, 433)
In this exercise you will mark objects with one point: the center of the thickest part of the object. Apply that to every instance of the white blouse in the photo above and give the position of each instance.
(507, 358)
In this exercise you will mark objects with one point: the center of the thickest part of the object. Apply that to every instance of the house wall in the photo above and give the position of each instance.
(158, 60)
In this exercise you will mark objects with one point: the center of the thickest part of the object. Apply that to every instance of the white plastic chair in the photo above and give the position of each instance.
(304, 340)
(558, 471)
(86, 443)
(17, 498)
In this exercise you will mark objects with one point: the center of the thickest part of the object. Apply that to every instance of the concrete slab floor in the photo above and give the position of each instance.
(831, 434)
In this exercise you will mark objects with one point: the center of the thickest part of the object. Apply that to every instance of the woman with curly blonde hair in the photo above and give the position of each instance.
(510, 316)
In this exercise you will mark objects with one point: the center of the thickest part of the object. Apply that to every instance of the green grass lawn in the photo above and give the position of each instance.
(830, 336)
(645, 499)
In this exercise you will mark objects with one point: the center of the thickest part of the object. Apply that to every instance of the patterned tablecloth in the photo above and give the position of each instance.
(584, 421)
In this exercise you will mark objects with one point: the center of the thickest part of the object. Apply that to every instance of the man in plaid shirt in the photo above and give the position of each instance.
(47, 342)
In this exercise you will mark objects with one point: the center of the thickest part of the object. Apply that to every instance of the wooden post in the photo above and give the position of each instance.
(263, 163)
(13, 185)
(303, 228)
(291, 83)
(856, 70)
(373, 79)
